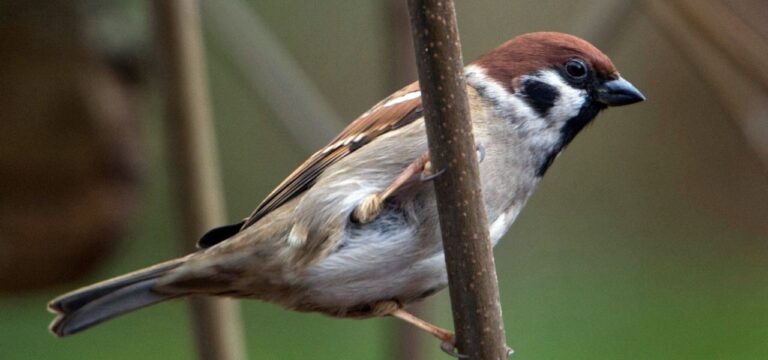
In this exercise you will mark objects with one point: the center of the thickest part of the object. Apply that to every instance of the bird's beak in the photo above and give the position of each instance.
(619, 92)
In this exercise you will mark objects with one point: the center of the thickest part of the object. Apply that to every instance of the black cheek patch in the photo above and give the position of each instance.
(540, 96)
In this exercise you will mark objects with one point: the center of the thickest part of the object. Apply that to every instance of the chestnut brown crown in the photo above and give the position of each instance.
(531, 52)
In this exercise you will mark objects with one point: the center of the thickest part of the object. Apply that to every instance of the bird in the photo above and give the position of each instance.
(353, 232)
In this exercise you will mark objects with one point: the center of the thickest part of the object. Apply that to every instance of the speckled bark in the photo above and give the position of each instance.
(463, 223)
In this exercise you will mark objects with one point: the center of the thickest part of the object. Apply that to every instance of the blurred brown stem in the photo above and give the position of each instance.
(603, 22)
(216, 322)
(735, 79)
(468, 254)
(726, 31)
(272, 72)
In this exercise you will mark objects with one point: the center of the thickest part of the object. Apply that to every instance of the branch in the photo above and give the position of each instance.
(191, 143)
(463, 224)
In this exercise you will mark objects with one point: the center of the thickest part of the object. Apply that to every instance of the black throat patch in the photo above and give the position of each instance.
(539, 95)
(572, 127)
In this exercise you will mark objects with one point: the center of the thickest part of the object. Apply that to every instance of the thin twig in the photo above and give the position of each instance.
(191, 142)
(469, 258)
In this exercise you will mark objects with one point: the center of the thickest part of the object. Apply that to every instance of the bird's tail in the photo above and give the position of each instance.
(89, 306)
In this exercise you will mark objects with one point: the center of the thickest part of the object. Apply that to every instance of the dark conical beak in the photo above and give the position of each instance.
(619, 92)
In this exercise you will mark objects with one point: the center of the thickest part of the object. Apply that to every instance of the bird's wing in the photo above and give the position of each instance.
(399, 109)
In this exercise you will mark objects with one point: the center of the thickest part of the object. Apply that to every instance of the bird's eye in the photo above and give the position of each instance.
(576, 69)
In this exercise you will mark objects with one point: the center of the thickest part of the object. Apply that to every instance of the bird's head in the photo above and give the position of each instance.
(550, 85)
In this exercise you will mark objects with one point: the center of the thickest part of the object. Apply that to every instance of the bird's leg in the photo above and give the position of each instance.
(429, 174)
(448, 340)
(371, 206)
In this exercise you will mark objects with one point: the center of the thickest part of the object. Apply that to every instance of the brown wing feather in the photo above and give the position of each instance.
(379, 120)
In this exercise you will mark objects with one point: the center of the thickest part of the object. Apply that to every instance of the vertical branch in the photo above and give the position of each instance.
(463, 224)
(191, 143)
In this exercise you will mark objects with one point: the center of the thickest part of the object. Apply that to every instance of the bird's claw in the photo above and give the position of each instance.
(428, 173)
(480, 152)
(510, 351)
(449, 347)
(427, 177)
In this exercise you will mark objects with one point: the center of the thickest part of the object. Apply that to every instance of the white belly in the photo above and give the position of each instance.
(375, 265)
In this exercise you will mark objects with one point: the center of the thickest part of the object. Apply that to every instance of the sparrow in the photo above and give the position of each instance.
(353, 232)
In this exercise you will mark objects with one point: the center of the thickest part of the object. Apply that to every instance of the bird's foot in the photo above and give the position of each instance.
(449, 347)
(372, 205)
(510, 351)
(429, 173)
(480, 152)
(368, 210)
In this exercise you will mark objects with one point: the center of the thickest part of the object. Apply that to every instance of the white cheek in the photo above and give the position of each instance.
(569, 102)
(525, 118)
(520, 110)
(567, 106)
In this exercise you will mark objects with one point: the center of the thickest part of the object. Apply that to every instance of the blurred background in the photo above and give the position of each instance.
(647, 239)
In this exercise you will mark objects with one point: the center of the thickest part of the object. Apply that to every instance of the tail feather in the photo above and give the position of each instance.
(94, 304)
